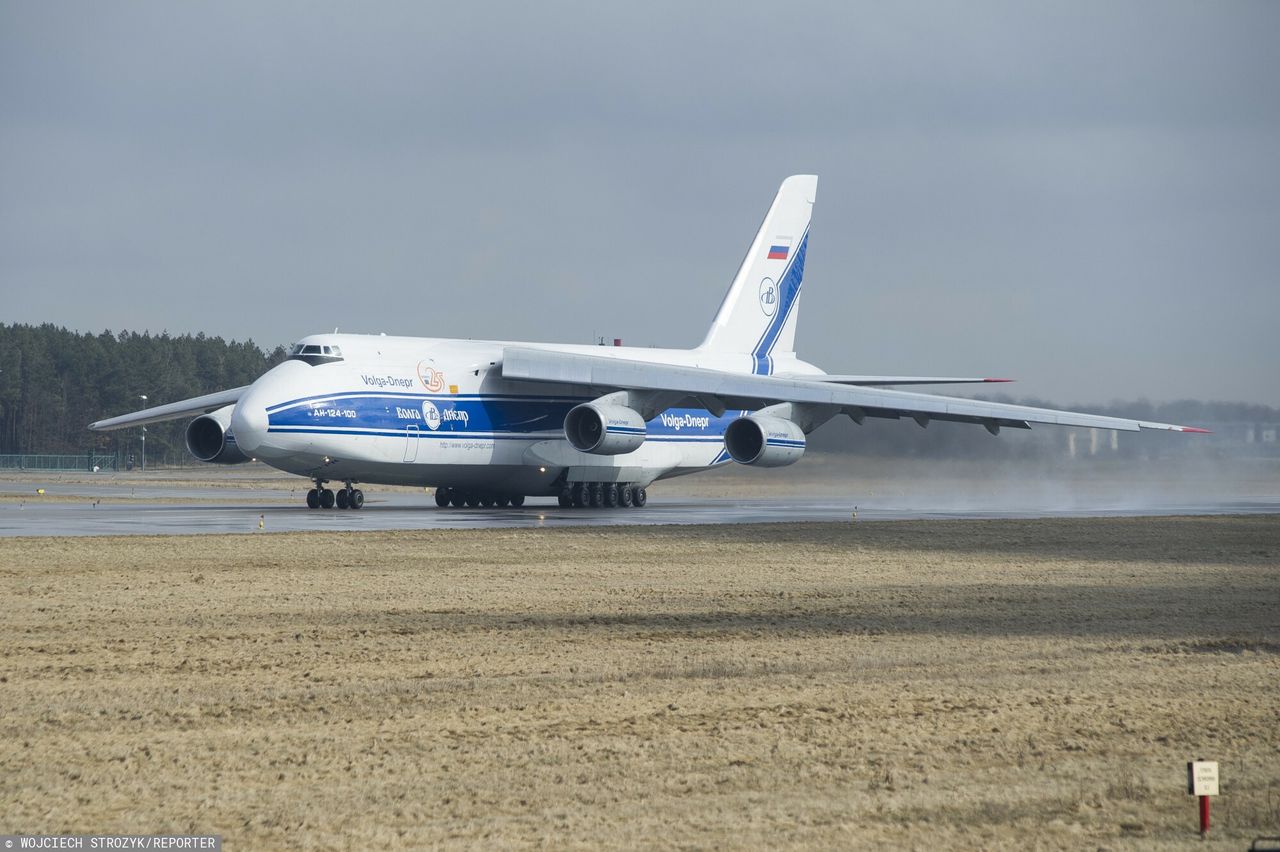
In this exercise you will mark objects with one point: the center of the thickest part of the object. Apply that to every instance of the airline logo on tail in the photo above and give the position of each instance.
(768, 297)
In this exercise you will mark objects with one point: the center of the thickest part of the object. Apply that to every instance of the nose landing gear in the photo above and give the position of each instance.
(345, 498)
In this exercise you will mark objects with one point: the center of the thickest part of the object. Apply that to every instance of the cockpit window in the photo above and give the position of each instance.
(315, 354)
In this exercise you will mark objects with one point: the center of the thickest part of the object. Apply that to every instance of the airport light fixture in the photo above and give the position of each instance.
(143, 397)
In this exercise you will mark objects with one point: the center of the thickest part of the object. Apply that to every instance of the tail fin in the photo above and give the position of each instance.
(758, 314)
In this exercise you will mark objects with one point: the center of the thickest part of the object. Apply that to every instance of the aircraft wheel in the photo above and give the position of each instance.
(596, 492)
(442, 496)
(626, 497)
(326, 499)
(610, 495)
(456, 498)
(487, 501)
(579, 495)
(565, 499)
(640, 497)
(517, 500)
(502, 501)
(342, 498)
(356, 501)
(313, 499)
(472, 501)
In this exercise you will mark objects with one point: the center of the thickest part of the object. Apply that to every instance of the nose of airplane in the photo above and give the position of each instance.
(249, 419)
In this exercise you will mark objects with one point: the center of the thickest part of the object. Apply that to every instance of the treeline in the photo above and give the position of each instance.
(54, 382)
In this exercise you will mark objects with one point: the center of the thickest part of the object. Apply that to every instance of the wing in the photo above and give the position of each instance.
(707, 388)
(172, 411)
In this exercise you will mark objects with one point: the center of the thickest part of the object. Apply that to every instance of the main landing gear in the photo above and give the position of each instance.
(457, 498)
(603, 495)
(345, 498)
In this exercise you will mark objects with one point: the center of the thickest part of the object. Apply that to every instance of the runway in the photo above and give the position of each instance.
(193, 511)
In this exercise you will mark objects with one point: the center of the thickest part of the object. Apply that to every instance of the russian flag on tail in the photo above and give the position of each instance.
(780, 248)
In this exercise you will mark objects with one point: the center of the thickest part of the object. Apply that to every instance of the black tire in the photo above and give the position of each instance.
(565, 499)
(610, 495)
(487, 501)
(502, 501)
(326, 499)
(313, 499)
(357, 499)
(579, 495)
(342, 498)
(472, 501)
(626, 497)
(442, 496)
(640, 497)
(456, 498)
(597, 495)
(517, 500)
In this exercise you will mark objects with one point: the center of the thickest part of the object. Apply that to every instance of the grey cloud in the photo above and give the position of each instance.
(1082, 195)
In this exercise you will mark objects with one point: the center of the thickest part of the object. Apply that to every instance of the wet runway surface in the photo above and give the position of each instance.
(278, 512)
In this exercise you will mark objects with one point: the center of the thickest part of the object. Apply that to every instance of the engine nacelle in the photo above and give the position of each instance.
(604, 429)
(209, 438)
(763, 440)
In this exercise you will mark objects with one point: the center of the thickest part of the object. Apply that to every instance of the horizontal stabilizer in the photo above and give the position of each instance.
(876, 381)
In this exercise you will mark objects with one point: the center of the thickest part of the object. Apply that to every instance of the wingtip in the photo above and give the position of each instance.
(1196, 430)
(999, 380)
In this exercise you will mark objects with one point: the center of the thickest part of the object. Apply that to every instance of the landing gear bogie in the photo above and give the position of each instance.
(578, 495)
(603, 495)
(344, 498)
(457, 498)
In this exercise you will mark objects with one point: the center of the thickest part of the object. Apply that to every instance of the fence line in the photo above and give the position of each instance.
(77, 461)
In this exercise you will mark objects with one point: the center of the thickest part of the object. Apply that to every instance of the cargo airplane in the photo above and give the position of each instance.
(488, 423)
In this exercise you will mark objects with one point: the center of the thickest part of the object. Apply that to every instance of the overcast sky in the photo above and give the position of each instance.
(1083, 196)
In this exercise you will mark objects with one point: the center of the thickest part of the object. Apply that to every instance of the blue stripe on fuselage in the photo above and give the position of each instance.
(788, 295)
(390, 414)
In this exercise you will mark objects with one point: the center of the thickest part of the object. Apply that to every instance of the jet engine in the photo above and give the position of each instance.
(763, 440)
(604, 429)
(209, 438)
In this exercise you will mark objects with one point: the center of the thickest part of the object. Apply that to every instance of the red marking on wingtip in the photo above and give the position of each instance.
(998, 380)
(1197, 431)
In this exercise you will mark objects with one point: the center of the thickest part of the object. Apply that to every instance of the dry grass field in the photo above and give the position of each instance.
(913, 684)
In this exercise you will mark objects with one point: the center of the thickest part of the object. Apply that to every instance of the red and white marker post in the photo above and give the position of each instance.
(1202, 781)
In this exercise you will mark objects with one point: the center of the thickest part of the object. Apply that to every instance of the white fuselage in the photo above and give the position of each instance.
(437, 412)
